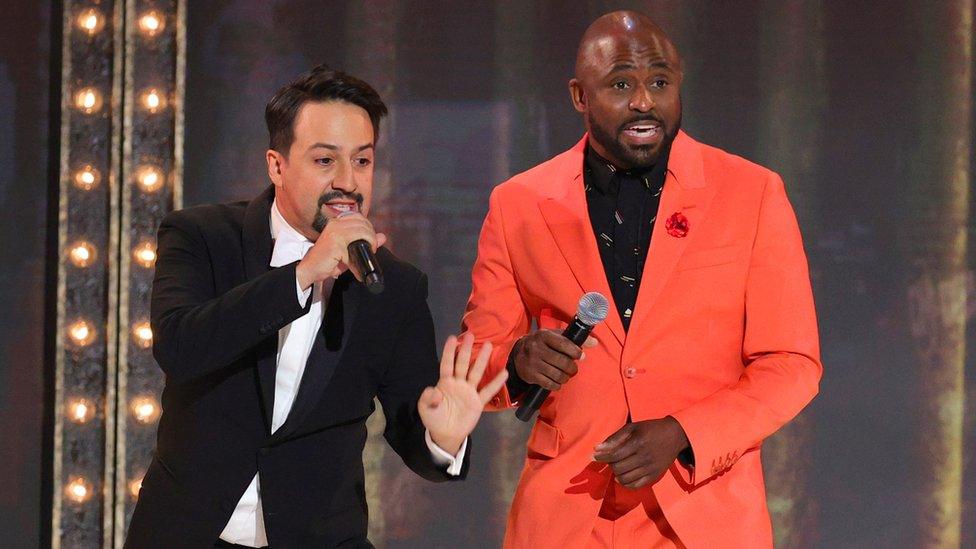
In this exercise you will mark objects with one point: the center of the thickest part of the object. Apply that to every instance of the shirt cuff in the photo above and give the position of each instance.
(443, 459)
(303, 295)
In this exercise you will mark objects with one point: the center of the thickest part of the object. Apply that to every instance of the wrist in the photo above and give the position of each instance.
(304, 276)
(451, 445)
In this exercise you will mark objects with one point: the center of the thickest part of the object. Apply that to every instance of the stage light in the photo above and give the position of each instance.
(151, 23)
(143, 334)
(145, 254)
(81, 333)
(145, 409)
(153, 100)
(82, 254)
(91, 21)
(88, 100)
(80, 410)
(87, 177)
(149, 178)
(134, 486)
(78, 490)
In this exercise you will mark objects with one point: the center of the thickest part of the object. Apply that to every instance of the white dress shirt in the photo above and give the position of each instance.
(246, 525)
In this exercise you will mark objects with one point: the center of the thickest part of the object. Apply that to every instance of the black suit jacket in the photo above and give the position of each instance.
(216, 310)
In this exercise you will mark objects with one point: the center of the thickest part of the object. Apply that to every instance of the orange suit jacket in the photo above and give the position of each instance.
(723, 338)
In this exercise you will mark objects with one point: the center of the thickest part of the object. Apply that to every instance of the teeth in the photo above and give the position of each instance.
(341, 207)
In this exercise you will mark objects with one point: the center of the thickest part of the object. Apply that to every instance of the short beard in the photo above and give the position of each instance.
(639, 157)
(321, 220)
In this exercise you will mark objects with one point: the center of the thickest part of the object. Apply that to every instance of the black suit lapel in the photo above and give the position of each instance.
(257, 259)
(330, 341)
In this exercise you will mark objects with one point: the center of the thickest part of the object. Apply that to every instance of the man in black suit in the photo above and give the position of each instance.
(273, 351)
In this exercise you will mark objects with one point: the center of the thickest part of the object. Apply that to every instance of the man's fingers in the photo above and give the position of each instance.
(463, 359)
(447, 359)
(480, 363)
(380, 240)
(638, 483)
(493, 386)
(615, 440)
(554, 340)
(590, 342)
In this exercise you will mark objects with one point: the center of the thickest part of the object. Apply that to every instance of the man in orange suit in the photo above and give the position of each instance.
(652, 437)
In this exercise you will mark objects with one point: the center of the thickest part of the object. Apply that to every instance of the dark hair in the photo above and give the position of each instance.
(319, 84)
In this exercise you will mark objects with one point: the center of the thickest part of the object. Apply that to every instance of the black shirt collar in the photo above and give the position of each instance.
(602, 175)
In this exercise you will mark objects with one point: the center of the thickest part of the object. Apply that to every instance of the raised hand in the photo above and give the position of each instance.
(451, 410)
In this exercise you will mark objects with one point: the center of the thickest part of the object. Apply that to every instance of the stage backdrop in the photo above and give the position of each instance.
(864, 107)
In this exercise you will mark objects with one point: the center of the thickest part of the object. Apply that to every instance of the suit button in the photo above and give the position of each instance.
(630, 373)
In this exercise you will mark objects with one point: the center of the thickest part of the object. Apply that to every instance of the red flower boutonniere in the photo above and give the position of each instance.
(677, 225)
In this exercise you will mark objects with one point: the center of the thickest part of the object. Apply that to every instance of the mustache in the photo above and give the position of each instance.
(642, 118)
(333, 195)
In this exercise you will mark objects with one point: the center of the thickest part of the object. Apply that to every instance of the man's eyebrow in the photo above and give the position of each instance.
(332, 147)
(627, 66)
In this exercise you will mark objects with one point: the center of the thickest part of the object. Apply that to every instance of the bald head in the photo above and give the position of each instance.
(605, 35)
(628, 76)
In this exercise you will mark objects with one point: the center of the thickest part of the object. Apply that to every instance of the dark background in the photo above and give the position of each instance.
(846, 99)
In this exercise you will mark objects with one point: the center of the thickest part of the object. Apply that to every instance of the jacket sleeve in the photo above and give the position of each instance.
(781, 349)
(414, 368)
(195, 331)
(495, 311)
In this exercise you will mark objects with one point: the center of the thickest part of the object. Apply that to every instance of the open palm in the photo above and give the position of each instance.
(450, 411)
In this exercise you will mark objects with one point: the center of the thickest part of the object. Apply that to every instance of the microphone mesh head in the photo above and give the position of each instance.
(593, 308)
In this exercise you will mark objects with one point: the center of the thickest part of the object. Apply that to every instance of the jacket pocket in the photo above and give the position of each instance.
(709, 257)
(544, 441)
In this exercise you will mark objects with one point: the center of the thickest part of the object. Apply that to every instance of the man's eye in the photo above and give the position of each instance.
(660, 83)
(324, 161)
(364, 161)
(620, 85)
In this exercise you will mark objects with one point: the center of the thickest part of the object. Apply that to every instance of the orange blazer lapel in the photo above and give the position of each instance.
(687, 193)
(565, 213)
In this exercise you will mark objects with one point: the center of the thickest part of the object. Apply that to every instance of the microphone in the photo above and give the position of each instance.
(592, 310)
(361, 254)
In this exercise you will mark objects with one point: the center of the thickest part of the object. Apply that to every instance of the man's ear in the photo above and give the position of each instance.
(577, 95)
(275, 160)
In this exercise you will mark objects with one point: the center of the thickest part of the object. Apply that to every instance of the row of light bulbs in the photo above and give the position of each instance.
(79, 490)
(149, 178)
(83, 253)
(91, 22)
(89, 100)
(82, 333)
(144, 410)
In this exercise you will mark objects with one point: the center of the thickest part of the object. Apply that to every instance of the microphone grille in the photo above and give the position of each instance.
(593, 308)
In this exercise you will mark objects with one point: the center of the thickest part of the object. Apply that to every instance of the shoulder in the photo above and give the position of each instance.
(207, 218)
(400, 276)
(542, 179)
(731, 169)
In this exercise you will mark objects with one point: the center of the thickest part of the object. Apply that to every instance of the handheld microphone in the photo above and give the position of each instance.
(361, 254)
(592, 310)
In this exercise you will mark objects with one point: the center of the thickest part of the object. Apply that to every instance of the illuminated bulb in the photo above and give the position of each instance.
(80, 410)
(87, 177)
(151, 23)
(145, 254)
(145, 409)
(134, 486)
(78, 490)
(143, 334)
(82, 254)
(88, 100)
(149, 178)
(153, 100)
(81, 332)
(91, 21)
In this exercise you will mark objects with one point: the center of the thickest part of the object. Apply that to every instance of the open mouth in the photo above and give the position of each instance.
(337, 207)
(643, 132)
